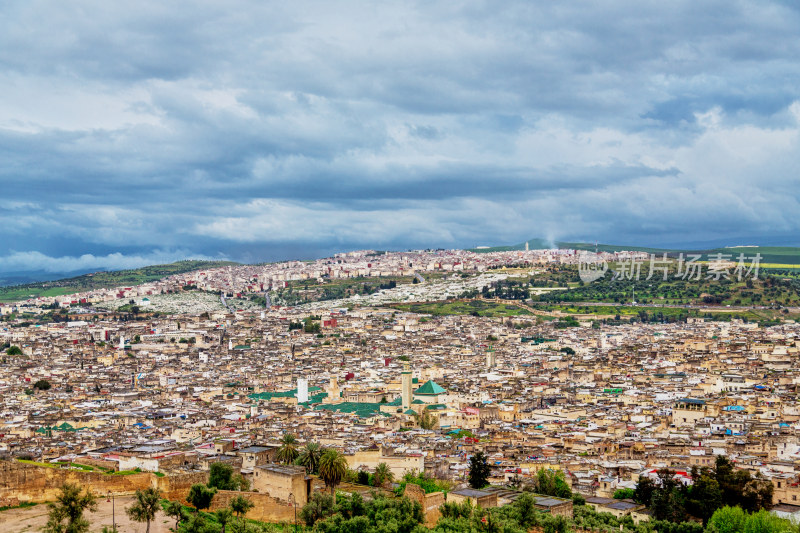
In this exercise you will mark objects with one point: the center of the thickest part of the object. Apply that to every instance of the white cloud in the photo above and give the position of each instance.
(28, 261)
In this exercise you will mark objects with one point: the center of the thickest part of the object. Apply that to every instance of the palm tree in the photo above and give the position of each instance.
(145, 508)
(382, 475)
(310, 456)
(223, 517)
(287, 453)
(240, 505)
(332, 468)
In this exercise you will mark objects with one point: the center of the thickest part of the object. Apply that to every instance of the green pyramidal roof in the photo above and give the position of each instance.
(430, 388)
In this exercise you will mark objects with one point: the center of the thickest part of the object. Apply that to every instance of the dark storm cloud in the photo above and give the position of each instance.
(261, 130)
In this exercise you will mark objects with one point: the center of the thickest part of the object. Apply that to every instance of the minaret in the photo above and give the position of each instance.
(333, 391)
(302, 390)
(121, 342)
(491, 359)
(406, 392)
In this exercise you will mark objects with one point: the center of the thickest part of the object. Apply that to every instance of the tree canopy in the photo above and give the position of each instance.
(478, 471)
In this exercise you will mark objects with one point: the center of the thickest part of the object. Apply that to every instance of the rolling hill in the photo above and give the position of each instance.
(105, 279)
(787, 256)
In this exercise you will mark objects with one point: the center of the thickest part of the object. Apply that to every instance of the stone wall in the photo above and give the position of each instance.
(175, 486)
(21, 482)
(430, 502)
(265, 507)
(398, 464)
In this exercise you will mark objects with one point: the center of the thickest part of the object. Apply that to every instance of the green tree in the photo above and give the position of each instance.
(624, 494)
(174, 510)
(669, 500)
(145, 507)
(240, 483)
(200, 496)
(380, 515)
(240, 507)
(321, 505)
(309, 457)
(478, 471)
(287, 453)
(552, 483)
(42, 384)
(197, 524)
(525, 510)
(765, 522)
(14, 350)
(757, 494)
(223, 516)
(383, 475)
(350, 506)
(332, 468)
(220, 476)
(705, 495)
(66, 514)
(740, 488)
(555, 524)
(644, 490)
(727, 520)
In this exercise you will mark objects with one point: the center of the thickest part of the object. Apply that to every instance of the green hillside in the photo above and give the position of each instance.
(104, 280)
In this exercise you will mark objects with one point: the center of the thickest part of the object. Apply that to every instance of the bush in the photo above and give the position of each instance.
(623, 494)
(321, 505)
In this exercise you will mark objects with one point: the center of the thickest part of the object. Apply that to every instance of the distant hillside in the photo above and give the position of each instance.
(770, 255)
(539, 244)
(104, 280)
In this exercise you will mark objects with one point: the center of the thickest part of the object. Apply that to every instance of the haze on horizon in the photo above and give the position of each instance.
(255, 131)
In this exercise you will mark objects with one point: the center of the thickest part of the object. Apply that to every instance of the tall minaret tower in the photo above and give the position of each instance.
(491, 359)
(406, 392)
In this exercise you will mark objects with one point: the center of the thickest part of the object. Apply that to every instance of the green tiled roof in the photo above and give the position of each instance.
(410, 412)
(361, 409)
(437, 406)
(430, 388)
(316, 398)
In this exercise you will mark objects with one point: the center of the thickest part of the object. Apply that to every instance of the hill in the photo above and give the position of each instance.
(104, 280)
(786, 256)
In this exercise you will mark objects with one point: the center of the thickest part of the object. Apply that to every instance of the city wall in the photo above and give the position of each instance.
(265, 507)
(20, 482)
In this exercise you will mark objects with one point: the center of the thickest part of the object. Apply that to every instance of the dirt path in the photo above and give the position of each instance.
(34, 518)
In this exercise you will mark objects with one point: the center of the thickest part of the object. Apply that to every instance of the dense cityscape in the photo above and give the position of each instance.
(157, 383)
(399, 267)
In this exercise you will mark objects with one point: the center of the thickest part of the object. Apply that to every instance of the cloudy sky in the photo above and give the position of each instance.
(153, 131)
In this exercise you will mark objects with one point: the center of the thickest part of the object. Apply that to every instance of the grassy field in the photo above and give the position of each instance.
(459, 307)
(100, 280)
